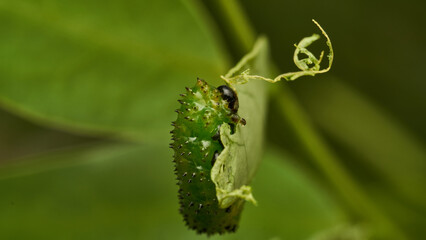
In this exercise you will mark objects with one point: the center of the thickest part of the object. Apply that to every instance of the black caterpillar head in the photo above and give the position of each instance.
(230, 96)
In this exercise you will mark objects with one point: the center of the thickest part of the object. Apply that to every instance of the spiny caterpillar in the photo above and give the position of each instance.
(196, 145)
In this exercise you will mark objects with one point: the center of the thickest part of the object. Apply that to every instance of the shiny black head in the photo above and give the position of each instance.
(230, 96)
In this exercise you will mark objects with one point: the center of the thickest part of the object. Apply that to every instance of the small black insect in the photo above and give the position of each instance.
(230, 96)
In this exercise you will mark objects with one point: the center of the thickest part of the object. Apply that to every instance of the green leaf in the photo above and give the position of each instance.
(19, 138)
(127, 191)
(291, 204)
(97, 66)
(348, 232)
(238, 162)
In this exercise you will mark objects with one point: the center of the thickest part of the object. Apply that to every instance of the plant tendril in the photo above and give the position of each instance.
(309, 66)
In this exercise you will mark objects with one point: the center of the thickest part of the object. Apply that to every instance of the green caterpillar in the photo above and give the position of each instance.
(196, 145)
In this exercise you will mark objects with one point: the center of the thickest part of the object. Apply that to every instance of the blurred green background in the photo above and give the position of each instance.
(88, 89)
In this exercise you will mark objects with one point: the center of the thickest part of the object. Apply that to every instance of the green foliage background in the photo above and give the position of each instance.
(88, 89)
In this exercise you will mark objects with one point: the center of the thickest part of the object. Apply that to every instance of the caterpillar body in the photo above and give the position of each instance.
(196, 145)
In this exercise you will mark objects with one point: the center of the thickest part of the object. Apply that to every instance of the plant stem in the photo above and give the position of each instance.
(320, 153)
(241, 32)
(325, 159)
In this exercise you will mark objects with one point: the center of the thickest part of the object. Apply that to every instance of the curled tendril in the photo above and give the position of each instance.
(309, 66)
